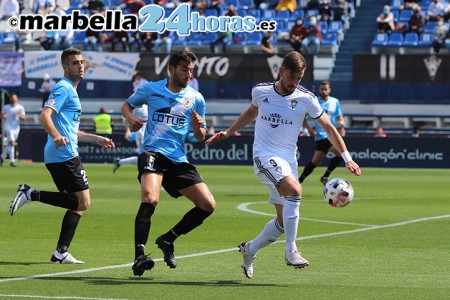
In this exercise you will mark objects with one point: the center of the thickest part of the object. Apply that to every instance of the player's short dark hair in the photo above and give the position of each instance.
(294, 61)
(186, 56)
(68, 52)
(325, 82)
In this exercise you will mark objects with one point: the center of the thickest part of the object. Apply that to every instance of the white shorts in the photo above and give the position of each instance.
(12, 134)
(270, 170)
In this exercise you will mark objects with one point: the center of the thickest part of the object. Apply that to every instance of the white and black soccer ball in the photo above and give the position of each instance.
(338, 192)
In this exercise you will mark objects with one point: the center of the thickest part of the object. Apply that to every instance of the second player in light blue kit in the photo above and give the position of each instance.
(332, 107)
(174, 109)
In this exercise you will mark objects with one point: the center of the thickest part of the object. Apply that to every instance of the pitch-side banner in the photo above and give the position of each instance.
(11, 69)
(99, 65)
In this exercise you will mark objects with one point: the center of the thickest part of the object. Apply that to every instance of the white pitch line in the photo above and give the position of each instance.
(244, 207)
(56, 297)
(315, 236)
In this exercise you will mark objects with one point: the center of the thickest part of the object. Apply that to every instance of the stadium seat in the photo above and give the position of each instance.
(211, 12)
(425, 40)
(282, 15)
(268, 15)
(297, 13)
(179, 40)
(395, 39)
(236, 3)
(396, 4)
(195, 38)
(239, 38)
(396, 15)
(380, 40)
(405, 15)
(254, 38)
(209, 37)
(429, 26)
(323, 26)
(256, 13)
(329, 39)
(78, 37)
(311, 13)
(411, 39)
(246, 4)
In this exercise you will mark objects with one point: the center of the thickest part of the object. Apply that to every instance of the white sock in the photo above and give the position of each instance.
(11, 153)
(128, 160)
(271, 232)
(291, 217)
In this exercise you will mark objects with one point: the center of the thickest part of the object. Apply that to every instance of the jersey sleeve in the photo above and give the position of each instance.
(314, 109)
(57, 98)
(338, 109)
(140, 97)
(200, 108)
(255, 95)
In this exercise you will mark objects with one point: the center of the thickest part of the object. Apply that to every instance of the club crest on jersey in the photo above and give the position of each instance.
(294, 103)
(188, 100)
(51, 102)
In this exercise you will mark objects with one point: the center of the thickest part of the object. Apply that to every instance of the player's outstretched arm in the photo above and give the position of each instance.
(96, 139)
(246, 117)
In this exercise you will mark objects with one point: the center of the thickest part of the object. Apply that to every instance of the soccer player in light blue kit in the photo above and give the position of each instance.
(60, 119)
(174, 108)
(332, 107)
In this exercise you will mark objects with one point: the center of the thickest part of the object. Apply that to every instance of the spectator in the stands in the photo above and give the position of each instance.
(290, 5)
(380, 133)
(43, 7)
(447, 41)
(325, 11)
(215, 4)
(223, 37)
(385, 21)
(64, 37)
(135, 6)
(10, 8)
(447, 12)
(266, 43)
(165, 38)
(94, 6)
(439, 33)
(296, 34)
(22, 37)
(119, 36)
(417, 21)
(435, 10)
(231, 12)
(341, 10)
(313, 37)
(148, 40)
(313, 4)
(48, 39)
(409, 4)
(91, 39)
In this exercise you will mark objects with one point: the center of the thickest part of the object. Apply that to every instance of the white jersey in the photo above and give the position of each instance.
(141, 113)
(12, 121)
(280, 119)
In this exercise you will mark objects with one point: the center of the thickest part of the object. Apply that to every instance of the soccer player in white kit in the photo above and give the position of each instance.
(279, 108)
(13, 113)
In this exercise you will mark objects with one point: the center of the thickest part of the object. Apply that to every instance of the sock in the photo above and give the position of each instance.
(128, 161)
(271, 232)
(142, 225)
(190, 220)
(69, 225)
(309, 168)
(291, 217)
(64, 200)
(334, 162)
(11, 154)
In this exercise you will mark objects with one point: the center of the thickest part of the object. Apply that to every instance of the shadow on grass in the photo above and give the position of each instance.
(151, 281)
(22, 263)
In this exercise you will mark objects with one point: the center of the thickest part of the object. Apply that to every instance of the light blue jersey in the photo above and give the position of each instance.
(64, 101)
(333, 109)
(169, 117)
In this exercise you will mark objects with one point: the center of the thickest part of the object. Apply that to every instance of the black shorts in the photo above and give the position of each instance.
(323, 145)
(69, 176)
(176, 176)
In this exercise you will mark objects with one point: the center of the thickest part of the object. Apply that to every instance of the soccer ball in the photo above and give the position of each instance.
(338, 192)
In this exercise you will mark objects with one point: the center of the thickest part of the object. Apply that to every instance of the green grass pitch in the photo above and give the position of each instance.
(391, 242)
